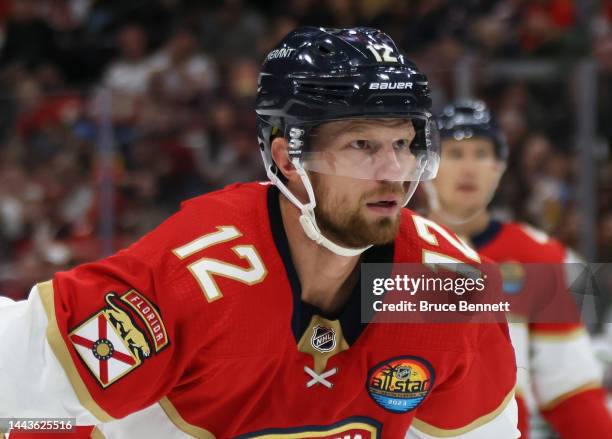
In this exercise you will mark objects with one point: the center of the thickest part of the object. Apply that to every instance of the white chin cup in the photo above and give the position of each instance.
(312, 231)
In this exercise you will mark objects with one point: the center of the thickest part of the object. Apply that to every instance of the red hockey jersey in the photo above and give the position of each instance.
(557, 372)
(199, 330)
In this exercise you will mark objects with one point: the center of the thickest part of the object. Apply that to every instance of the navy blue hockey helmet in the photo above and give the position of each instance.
(317, 75)
(470, 118)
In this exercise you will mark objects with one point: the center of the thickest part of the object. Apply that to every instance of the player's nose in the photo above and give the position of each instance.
(390, 166)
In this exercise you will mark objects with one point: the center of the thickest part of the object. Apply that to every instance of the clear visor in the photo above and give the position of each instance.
(387, 149)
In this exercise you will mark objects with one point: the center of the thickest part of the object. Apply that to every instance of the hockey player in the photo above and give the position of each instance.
(239, 316)
(557, 372)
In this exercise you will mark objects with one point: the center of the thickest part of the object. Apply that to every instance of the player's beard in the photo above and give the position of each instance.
(344, 222)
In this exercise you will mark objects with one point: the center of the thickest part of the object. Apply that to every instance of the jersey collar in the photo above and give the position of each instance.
(350, 315)
(487, 235)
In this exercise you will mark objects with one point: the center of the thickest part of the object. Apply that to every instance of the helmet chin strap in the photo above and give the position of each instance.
(307, 218)
(309, 222)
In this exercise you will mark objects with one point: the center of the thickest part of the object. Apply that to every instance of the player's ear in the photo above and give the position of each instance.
(500, 168)
(280, 155)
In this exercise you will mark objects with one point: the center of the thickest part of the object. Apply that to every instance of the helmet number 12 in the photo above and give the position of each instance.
(386, 55)
(203, 269)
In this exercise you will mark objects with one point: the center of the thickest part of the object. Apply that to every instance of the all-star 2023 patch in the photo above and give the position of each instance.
(400, 384)
(118, 338)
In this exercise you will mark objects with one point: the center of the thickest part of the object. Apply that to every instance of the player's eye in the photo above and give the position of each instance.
(454, 153)
(483, 154)
(363, 145)
(402, 144)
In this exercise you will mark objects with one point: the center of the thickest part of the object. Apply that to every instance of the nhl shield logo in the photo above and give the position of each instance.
(323, 338)
(402, 373)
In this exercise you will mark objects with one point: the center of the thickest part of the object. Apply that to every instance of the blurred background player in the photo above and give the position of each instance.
(557, 371)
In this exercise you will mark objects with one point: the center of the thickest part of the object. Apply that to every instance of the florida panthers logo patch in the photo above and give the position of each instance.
(119, 337)
(400, 384)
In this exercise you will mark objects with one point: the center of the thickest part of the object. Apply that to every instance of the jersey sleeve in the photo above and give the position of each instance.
(570, 398)
(583, 414)
(477, 401)
(98, 342)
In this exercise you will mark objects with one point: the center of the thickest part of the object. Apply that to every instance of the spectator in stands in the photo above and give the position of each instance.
(181, 72)
(29, 40)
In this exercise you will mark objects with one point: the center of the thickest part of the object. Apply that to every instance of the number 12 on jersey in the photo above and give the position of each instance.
(205, 269)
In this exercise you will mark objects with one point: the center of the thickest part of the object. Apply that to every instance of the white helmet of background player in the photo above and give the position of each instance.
(319, 75)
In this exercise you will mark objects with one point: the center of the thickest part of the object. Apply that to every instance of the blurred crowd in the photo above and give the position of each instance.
(151, 102)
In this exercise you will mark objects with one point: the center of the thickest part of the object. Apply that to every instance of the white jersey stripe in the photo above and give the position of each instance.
(551, 381)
